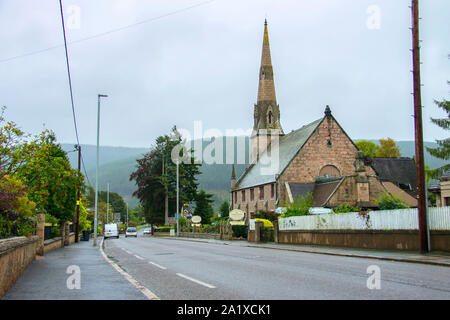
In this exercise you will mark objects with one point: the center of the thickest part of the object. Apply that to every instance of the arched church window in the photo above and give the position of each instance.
(270, 117)
(329, 171)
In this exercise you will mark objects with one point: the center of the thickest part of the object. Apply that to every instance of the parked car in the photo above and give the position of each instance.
(147, 231)
(131, 232)
(111, 230)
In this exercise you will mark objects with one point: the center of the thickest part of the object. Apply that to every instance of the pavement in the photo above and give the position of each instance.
(51, 277)
(432, 258)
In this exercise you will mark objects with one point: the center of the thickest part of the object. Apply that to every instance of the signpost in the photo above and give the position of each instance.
(237, 217)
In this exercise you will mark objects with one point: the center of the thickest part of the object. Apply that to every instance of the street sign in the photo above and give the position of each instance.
(237, 215)
(171, 220)
(196, 219)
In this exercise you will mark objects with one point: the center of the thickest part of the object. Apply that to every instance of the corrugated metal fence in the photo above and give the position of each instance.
(403, 219)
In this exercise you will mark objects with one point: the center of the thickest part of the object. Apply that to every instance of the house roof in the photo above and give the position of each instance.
(397, 170)
(289, 146)
(406, 197)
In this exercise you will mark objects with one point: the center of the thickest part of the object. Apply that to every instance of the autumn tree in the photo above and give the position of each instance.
(388, 149)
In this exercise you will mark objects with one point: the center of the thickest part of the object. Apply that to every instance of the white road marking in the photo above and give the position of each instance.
(150, 295)
(140, 258)
(196, 281)
(157, 265)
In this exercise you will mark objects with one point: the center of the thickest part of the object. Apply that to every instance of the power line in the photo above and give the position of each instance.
(71, 90)
(110, 31)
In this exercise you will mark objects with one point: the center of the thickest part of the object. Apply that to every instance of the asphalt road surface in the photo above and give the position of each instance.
(177, 269)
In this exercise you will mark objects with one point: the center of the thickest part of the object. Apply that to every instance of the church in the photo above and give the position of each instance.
(318, 158)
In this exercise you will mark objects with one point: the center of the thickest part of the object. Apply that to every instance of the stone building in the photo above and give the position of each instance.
(442, 190)
(318, 158)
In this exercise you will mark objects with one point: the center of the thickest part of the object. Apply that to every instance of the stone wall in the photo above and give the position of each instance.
(380, 240)
(15, 255)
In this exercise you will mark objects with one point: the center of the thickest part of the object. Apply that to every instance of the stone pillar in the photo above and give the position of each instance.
(40, 232)
(62, 231)
(258, 226)
(230, 231)
(66, 233)
(275, 231)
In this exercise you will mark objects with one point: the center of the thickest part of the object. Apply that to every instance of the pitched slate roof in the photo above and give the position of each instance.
(289, 146)
(397, 170)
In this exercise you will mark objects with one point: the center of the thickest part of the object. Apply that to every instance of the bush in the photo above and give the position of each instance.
(300, 207)
(267, 224)
(344, 208)
(391, 202)
(240, 231)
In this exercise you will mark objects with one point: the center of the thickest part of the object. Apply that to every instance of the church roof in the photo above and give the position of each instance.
(289, 146)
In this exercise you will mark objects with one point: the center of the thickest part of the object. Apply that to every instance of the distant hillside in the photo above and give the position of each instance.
(117, 163)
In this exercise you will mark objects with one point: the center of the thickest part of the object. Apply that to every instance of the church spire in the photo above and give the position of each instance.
(267, 111)
(266, 90)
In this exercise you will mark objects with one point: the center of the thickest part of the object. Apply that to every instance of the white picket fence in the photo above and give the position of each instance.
(402, 219)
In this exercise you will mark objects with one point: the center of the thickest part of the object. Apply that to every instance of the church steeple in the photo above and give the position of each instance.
(267, 111)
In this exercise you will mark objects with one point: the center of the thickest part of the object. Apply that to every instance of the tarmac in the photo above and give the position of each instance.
(79, 271)
(432, 258)
(55, 277)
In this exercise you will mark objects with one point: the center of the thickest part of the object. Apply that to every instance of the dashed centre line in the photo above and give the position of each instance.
(157, 265)
(140, 258)
(196, 281)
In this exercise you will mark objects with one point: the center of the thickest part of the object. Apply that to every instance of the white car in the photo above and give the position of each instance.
(147, 231)
(111, 230)
(131, 232)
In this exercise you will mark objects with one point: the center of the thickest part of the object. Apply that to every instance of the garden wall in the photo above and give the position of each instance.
(15, 255)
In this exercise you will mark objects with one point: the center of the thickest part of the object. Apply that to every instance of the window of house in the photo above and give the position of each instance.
(252, 194)
(243, 195)
(272, 190)
(329, 171)
(261, 193)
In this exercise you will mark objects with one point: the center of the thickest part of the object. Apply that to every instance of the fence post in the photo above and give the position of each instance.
(40, 232)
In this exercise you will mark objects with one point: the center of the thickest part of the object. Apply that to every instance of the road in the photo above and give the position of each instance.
(177, 269)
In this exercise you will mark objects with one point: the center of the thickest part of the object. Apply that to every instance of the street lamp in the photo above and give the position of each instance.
(96, 170)
(178, 198)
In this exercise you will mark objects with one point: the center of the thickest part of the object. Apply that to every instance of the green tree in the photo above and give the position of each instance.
(388, 149)
(442, 151)
(369, 148)
(224, 209)
(52, 183)
(116, 203)
(153, 185)
(203, 206)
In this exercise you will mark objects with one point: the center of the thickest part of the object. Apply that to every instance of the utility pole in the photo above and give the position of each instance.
(420, 167)
(96, 170)
(77, 219)
(166, 197)
(127, 215)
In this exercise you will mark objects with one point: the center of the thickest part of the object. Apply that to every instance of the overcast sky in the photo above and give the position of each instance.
(202, 63)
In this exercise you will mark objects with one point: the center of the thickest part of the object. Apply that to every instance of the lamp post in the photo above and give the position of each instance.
(96, 170)
(178, 198)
